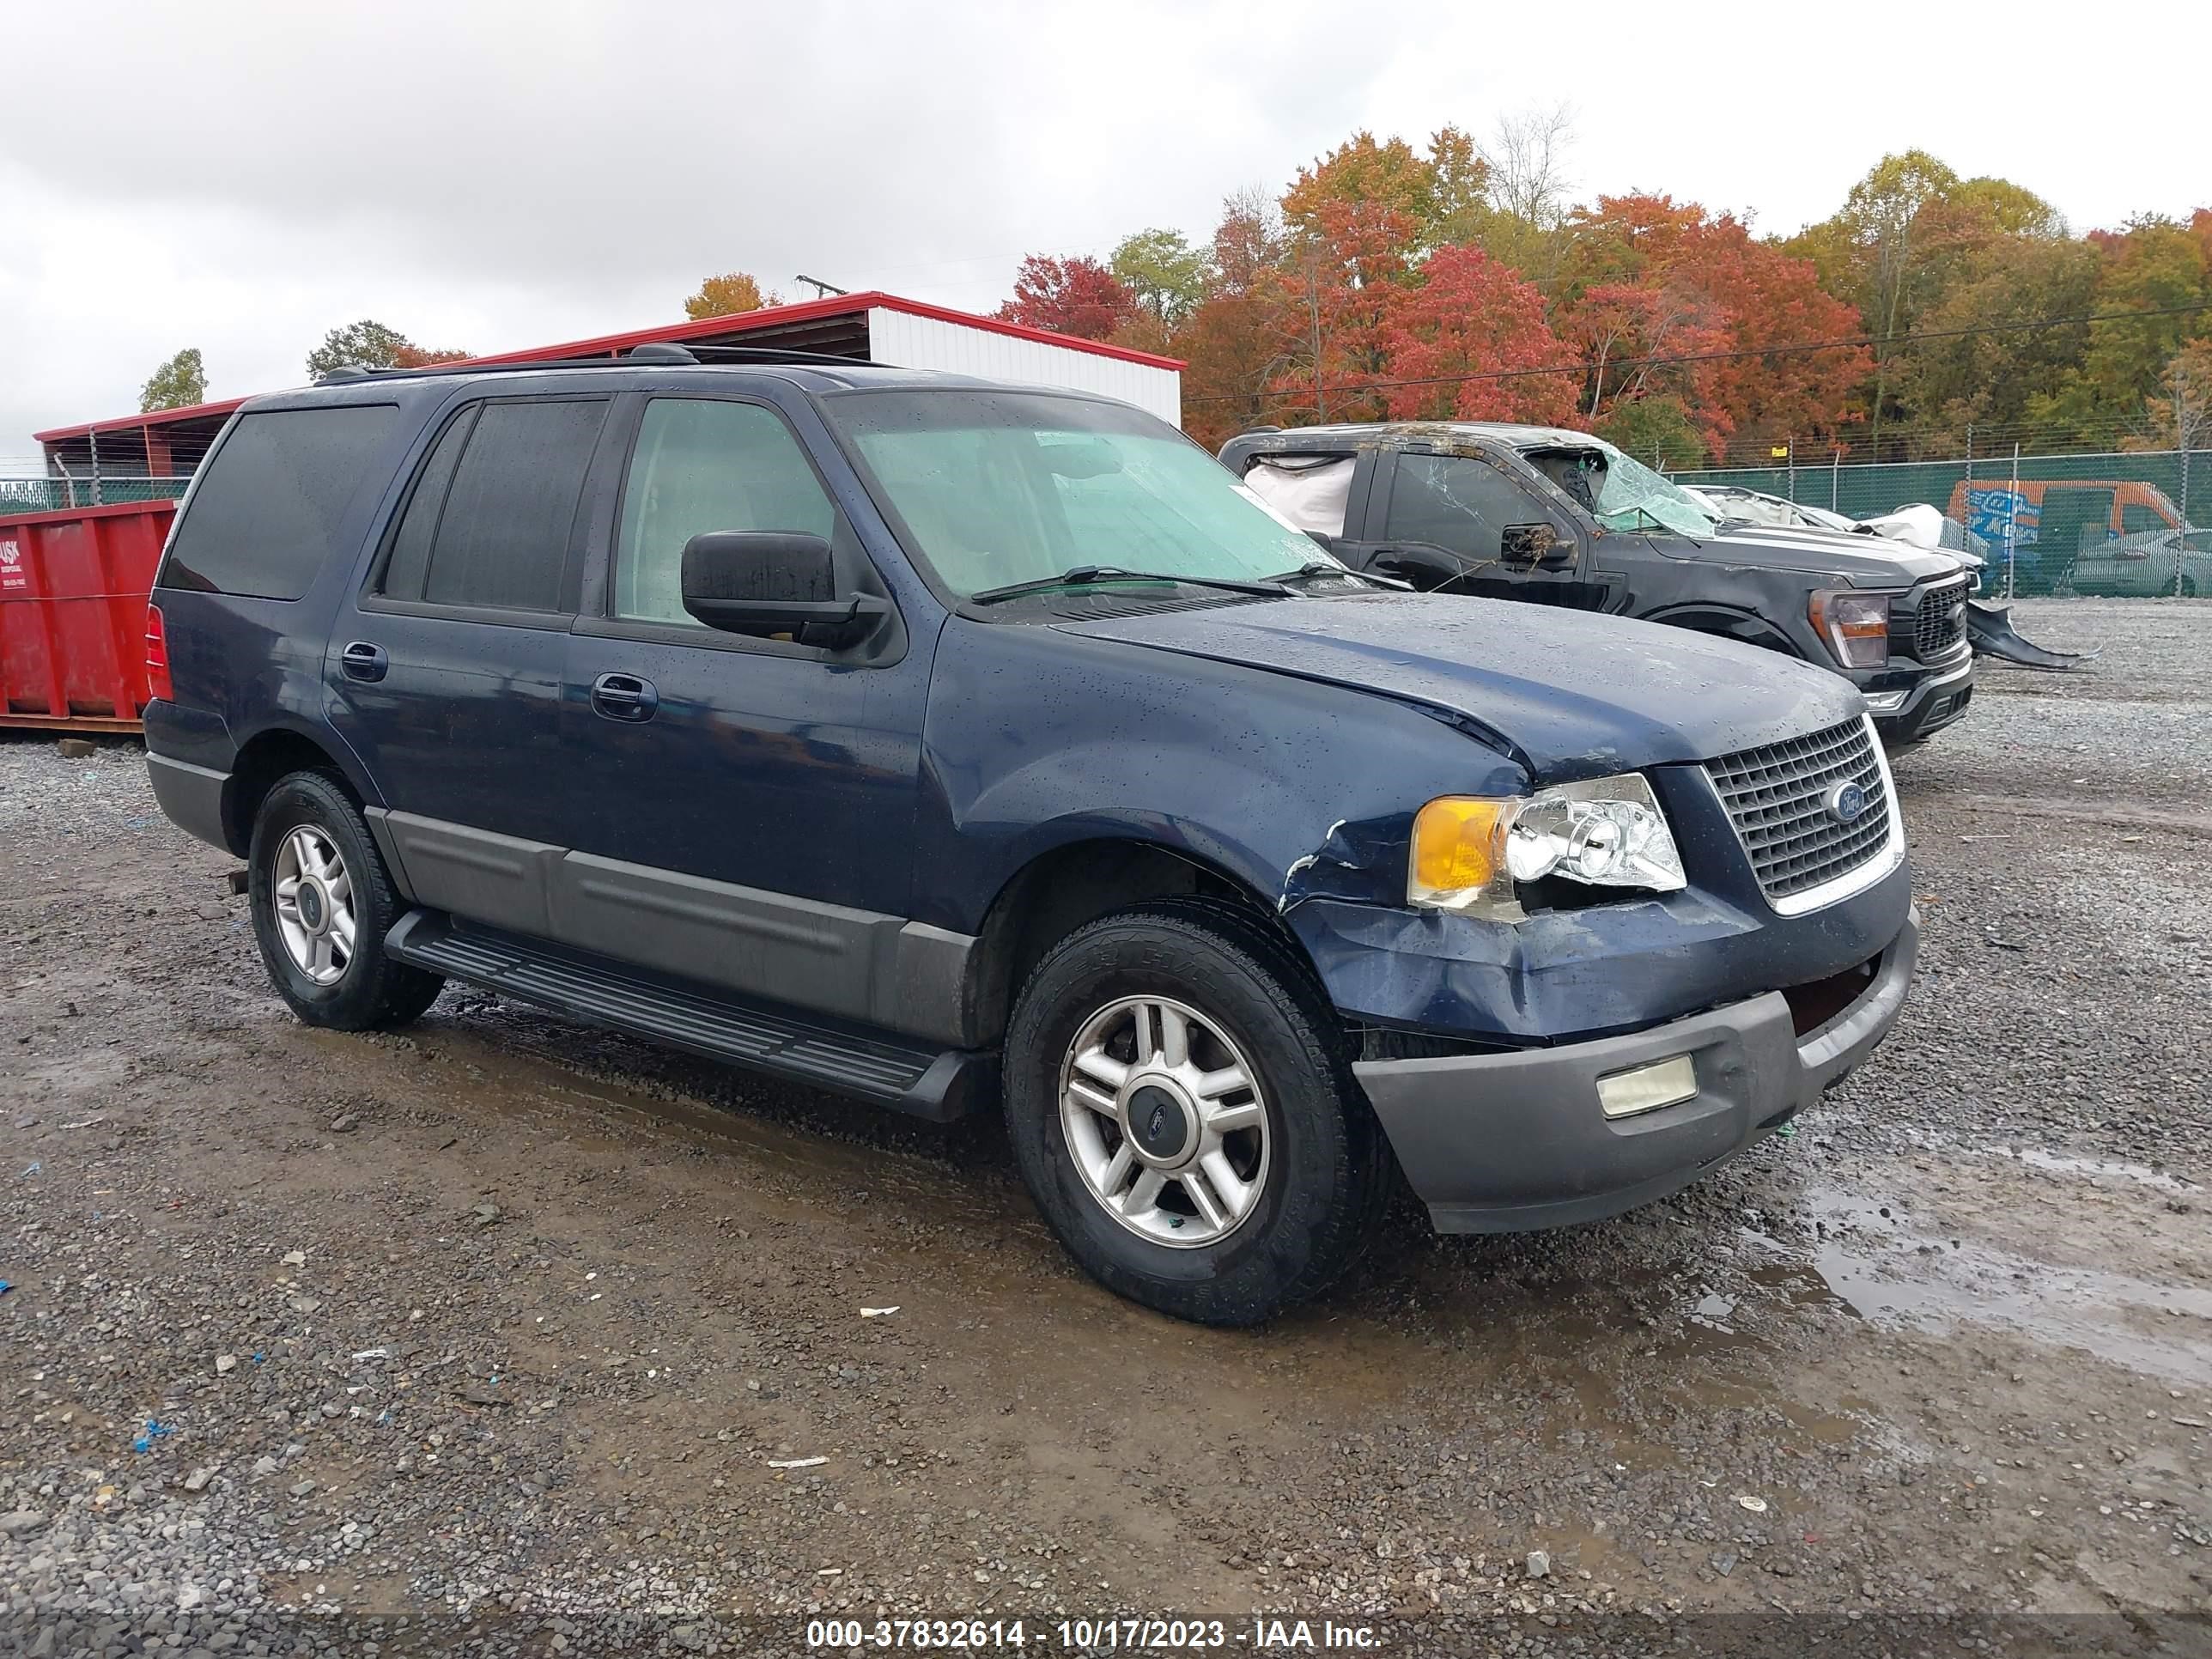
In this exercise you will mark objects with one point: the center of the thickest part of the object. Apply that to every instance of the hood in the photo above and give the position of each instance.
(1563, 693)
(1855, 559)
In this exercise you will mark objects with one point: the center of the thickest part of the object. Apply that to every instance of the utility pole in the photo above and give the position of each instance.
(2012, 518)
(2187, 419)
(1967, 498)
(821, 289)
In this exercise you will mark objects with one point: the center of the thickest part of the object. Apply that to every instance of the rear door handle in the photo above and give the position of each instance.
(364, 661)
(624, 697)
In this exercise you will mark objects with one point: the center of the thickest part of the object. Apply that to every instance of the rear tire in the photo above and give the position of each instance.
(1180, 1098)
(322, 904)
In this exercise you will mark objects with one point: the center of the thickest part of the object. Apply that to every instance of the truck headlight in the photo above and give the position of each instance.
(1469, 850)
(1856, 625)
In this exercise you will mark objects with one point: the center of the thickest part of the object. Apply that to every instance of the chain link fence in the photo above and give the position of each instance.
(66, 495)
(2118, 524)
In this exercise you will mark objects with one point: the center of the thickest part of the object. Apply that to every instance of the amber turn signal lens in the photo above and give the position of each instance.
(1458, 846)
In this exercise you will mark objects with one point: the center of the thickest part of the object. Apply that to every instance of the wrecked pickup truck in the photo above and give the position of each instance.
(1989, 626)
(960, 746)
(1563, 519)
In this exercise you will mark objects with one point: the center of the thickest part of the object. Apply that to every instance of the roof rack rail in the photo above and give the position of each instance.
(738, 354)
(666, 353)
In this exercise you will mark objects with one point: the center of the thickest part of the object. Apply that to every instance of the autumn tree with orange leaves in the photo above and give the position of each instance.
(1451, 280)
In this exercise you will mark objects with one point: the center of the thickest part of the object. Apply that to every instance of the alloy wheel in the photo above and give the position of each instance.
(1164, 1118)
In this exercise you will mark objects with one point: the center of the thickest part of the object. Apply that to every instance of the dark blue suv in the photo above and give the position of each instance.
(948, 744)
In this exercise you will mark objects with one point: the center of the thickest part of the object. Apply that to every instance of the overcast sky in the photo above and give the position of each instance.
(242, 175)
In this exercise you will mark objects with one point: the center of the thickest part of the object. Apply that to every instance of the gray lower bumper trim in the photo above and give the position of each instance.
(191, 797)
(1503, 1142)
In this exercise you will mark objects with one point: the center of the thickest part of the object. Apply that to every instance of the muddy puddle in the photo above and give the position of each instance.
(1866, 1258)
(2155, 1177)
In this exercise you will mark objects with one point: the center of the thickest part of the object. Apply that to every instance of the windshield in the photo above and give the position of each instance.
(1631, 497)
(998, 488)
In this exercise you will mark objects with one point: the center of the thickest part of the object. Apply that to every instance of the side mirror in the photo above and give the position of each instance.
(1535, 544)
(766, 582)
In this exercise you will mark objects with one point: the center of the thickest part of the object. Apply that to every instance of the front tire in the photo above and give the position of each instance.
(322, 903)
(1180, 1099)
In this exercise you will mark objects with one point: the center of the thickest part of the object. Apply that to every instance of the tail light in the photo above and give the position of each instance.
(157, 657)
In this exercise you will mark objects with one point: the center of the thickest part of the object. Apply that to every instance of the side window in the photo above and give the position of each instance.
(702, 466)
(1460, 505)
(2138, 519)
(501, 538)
(418, 525)
(266, 517)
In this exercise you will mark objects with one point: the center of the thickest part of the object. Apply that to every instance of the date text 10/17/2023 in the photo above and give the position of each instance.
(1092, 1635)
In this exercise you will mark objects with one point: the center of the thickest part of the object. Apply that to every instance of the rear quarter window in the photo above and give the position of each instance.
(265, 517)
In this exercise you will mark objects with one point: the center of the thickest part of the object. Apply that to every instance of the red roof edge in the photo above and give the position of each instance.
(133, 423)
(834, 305)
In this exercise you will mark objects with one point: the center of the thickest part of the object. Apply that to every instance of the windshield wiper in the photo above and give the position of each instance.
(1317, 569)
(1083, 575)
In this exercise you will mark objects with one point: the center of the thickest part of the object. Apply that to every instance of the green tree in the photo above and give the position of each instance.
(730, 295)
(2156, 265)
(1994, 380)
(369, 344)
(177, 384)
(1168, 276)
(1658, 431)
(1911, 237)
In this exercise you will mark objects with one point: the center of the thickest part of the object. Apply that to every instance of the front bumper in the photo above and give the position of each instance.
(1919, 710)
(1501, 1143)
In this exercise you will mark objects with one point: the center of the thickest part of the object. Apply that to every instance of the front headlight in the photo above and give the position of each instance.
(1469, 850)
(1856, 625)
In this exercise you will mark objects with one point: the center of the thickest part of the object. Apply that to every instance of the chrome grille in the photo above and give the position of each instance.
(1777, 797)
(1939, 623)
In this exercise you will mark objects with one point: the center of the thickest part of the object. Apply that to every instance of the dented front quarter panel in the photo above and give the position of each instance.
(1037, 738)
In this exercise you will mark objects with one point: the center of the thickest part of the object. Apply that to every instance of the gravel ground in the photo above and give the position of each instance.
(495, 1333)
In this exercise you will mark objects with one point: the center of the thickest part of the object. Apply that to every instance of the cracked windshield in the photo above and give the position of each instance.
(1629, 496)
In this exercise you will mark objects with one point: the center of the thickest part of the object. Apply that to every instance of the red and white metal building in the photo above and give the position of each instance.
(871, 327)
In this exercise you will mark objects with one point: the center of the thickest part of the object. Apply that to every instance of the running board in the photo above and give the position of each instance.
(940, 1084)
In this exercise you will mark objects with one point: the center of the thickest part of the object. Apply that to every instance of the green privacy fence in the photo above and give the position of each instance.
(63, 495)
(2123, 523)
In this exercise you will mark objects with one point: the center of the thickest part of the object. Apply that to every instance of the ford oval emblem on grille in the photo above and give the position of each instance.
(1846, 803)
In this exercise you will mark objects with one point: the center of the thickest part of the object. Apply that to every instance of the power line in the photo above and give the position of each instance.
(1798, 349)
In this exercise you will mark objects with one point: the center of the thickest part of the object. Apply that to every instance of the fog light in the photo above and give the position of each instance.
(1647, 1088)
(1887, 703)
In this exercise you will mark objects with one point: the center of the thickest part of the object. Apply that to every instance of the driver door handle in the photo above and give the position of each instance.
(624, 697)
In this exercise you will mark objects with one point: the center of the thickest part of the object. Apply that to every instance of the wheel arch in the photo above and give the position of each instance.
(1065, 887)
(263, 759)
(1726, 621)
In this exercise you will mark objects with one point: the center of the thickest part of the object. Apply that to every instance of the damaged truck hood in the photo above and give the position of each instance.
(1850, 559)
(1564, 694)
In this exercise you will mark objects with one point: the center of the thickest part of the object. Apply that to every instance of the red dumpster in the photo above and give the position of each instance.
(73, 589)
